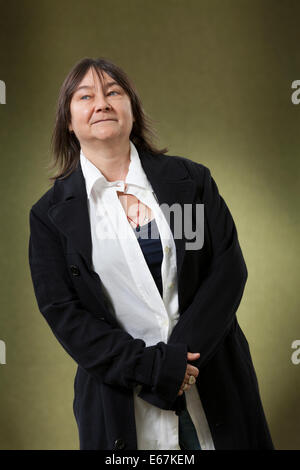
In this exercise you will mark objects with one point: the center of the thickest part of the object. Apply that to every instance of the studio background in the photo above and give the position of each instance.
(215, 76)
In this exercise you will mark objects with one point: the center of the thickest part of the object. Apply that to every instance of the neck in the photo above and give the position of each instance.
(112, 161)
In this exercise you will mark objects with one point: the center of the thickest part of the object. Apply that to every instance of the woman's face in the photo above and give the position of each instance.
(100, 114)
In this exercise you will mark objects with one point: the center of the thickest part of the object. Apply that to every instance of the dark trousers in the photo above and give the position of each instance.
(187, 433)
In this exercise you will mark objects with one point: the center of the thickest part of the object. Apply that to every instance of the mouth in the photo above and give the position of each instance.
(103, 120)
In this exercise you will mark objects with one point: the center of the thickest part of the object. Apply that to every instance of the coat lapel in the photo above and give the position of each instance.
(69, 213)
(171, 184)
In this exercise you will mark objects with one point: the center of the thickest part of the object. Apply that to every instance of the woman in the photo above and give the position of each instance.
(148, 316)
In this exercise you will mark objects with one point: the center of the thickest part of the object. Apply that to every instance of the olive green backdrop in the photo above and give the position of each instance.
(216, 78)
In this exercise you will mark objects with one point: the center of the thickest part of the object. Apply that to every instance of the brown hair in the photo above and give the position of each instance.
(65, 145)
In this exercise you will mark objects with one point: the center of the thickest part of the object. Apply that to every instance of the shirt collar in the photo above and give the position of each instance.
(135, 176)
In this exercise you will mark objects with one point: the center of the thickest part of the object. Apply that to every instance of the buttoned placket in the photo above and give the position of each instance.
(132, 252)
(148, 288)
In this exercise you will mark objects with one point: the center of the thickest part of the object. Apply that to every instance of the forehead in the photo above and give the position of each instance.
(91, 79)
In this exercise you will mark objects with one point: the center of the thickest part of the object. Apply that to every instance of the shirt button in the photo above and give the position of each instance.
(171, 285)
(119, 444)
(75, 270)
(167, 249)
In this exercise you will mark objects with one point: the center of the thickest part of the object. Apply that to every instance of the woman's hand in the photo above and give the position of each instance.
(190, 370)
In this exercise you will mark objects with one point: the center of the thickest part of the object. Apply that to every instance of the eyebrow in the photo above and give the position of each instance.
(107, 85)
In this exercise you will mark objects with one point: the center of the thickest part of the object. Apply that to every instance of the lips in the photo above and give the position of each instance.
(101, 120)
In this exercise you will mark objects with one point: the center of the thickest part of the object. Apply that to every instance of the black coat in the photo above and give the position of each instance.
(111, 362)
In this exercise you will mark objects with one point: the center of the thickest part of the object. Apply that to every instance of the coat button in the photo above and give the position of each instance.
(119, 444)
(75, 270)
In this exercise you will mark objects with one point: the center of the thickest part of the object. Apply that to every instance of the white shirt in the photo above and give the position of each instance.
(133, 294)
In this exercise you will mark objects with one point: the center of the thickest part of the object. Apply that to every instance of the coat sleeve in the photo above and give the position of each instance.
(107, 353)
(207, 320)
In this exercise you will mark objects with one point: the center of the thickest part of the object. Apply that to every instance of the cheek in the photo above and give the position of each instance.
(79, 113)
(85, 113)
(128, 112)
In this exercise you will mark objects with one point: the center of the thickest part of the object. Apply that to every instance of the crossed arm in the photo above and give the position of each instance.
(110, 354)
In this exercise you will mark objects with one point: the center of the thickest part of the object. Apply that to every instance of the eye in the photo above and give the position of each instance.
(88, 96)
(113, 92)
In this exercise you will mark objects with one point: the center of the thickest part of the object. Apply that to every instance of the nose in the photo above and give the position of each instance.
(101, 103)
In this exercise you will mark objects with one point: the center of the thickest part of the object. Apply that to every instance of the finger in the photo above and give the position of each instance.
(192, 380)
(186, 387)
(192, 356)
(183, 385)
(191, 370)
(187, 379)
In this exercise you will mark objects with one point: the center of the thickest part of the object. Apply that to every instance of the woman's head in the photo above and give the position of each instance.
(101, 111)
(108, 93)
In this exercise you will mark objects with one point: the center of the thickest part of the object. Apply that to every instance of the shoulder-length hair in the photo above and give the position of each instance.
(65, 145)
